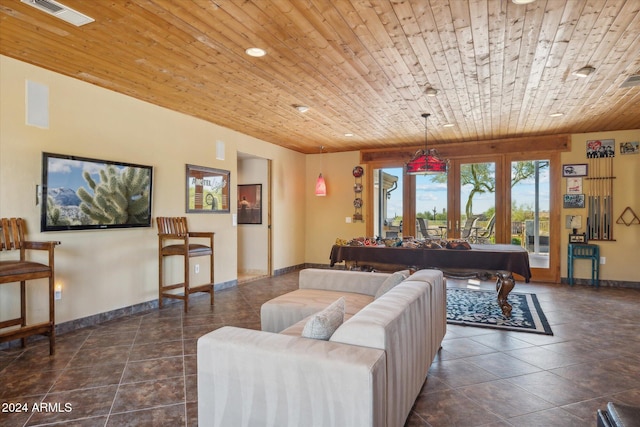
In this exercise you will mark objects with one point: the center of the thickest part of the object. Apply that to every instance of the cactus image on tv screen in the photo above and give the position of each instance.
(82, 193)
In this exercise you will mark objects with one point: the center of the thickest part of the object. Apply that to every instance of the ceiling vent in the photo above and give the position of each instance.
(631, 81)
(60, 11)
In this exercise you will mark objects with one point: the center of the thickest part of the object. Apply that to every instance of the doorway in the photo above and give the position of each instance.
(254, 236)
(534, 211)
(388, 202)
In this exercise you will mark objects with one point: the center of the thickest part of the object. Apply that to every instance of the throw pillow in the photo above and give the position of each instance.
(391, 282)
(324, 323)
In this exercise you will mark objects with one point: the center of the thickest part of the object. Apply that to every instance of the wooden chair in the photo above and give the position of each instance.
(12, 231)
(175, 229)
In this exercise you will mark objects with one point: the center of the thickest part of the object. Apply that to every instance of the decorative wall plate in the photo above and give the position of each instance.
(357, 202)
(358, 171)
(357, 188)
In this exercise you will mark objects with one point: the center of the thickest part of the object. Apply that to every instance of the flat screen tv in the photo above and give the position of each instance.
(80, 194)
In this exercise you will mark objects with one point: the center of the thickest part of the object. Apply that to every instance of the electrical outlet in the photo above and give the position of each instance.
(603, 260)
(197, 268)
(57, 294)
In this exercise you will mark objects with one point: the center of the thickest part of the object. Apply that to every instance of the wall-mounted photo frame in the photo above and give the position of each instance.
(579, 169)
(79, 193)
(573, 201)
(207, 190)
(250, 204)
(574, 185)
(573, 221)
(630, 147)
(599, 148)
(578, 238)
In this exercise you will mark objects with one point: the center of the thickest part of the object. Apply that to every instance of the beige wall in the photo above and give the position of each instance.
(105, 270)
(622, 253)
(326, 216)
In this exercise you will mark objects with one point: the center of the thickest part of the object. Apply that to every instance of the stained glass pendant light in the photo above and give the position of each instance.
(426, 161)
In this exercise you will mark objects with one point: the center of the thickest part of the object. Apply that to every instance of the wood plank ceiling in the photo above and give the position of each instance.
(361, 66)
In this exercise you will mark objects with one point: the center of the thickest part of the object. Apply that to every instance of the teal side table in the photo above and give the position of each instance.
(585, 251)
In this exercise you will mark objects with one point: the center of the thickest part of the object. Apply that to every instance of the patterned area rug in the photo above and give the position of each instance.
(470, 307)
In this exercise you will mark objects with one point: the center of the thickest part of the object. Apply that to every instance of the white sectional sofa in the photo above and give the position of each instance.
(368, 373)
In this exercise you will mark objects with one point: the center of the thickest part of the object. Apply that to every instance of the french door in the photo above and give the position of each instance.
(509, 199)
(473, 199)
(534, 211)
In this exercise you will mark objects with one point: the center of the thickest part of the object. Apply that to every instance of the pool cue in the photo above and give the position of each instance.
(596, 208)
(590, 202)
(605, 218)
(608, 189)
(598, 201)
(610, 197)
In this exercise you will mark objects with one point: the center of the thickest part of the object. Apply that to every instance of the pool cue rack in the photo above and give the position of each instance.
(600, 199)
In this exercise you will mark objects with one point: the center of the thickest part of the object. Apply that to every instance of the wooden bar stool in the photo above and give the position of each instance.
(12, 231)
(175, 229)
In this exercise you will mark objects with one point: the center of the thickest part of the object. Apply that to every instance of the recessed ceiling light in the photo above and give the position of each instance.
(256, 52)
(584, 71)
(430, 91)
(522, 1)
(302, 108)
(556, 114)
(349, 135)
(448, 125)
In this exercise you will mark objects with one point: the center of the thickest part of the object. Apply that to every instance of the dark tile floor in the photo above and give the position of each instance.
(141, 370)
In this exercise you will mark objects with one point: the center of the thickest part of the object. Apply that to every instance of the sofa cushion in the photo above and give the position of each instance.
(359, 282)
(295, 330)
(391, 281)
(286, 310)
(323, 324)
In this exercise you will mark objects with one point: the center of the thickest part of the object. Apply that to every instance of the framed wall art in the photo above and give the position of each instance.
(207, 190)
(630, 147)
(578, 238)
(250, 204)
(573, 201)
(79, 193)
(599, 148)
(575, 170)
(574, 185)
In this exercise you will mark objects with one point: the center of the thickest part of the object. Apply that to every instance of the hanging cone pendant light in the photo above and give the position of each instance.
(321, 186)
